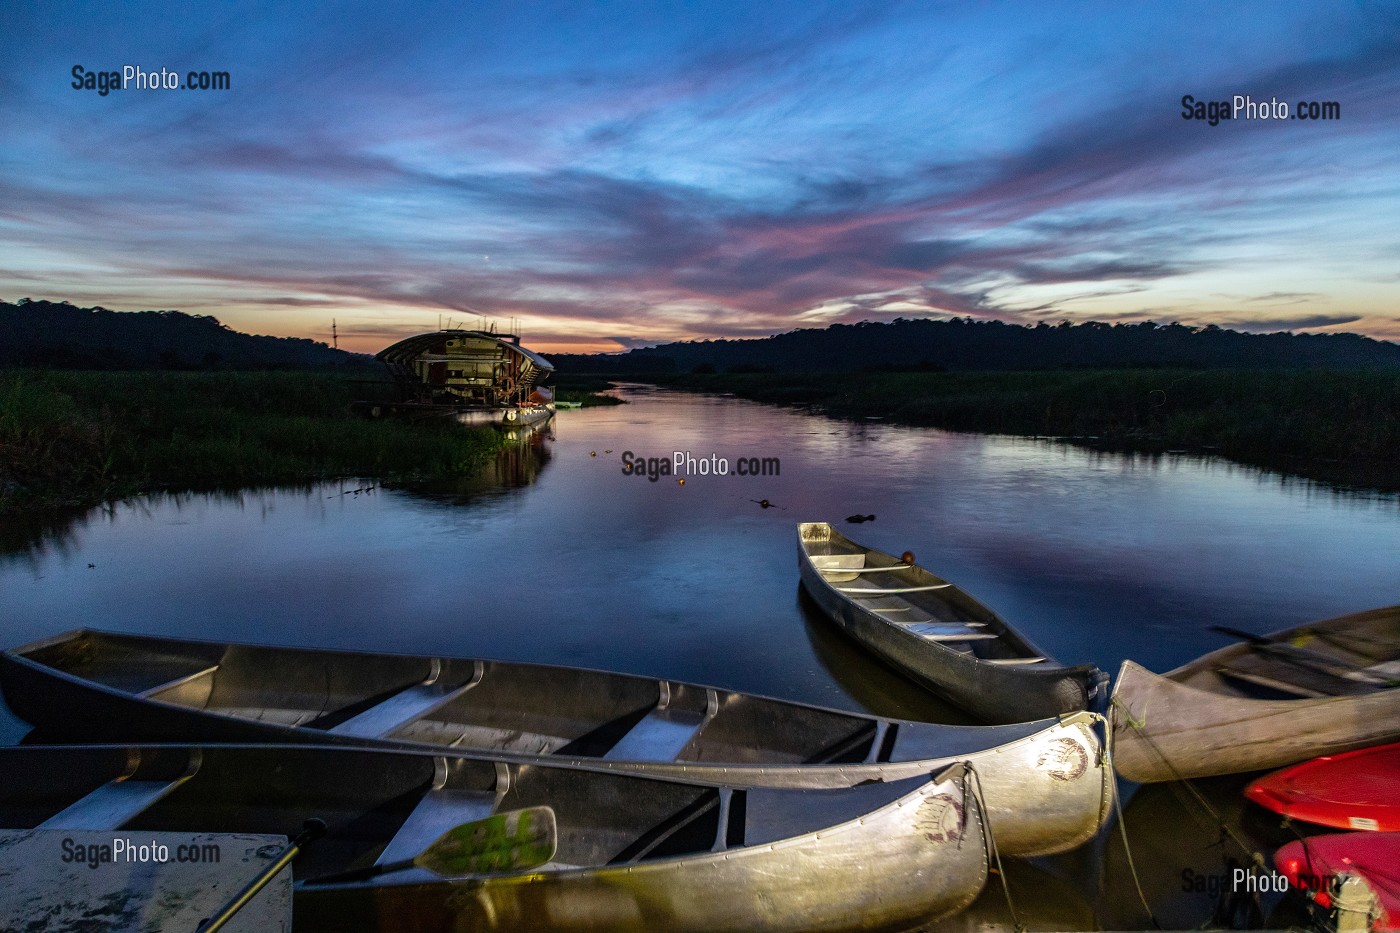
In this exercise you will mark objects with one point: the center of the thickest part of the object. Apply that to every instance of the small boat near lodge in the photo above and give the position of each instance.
(1353, 790)
(477, 377)
(626, 852)
(937, 634)
(1045, 783)
(1264, 702)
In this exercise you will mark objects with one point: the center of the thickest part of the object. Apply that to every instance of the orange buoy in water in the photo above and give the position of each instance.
(907, 557)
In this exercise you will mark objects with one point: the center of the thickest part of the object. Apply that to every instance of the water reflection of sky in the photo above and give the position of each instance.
(1095, 556)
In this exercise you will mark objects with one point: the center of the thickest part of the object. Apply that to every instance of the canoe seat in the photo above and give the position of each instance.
(1280, 668)
(439, 810)
(154, 692)
(941, 634)
(845, 570)
(874, 592)
(933, 630)
(957, 625)
(1387, 669)
(839, 568)
(1268, 683)
(663, 733)
(400, 709)
(114, 804)
(272, 714)
(851, 563)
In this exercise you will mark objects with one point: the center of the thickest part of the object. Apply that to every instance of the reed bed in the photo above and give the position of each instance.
(76, 438)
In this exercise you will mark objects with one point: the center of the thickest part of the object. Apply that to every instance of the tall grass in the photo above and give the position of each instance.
(71, 438)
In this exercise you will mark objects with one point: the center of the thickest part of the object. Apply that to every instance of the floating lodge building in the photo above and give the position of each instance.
(477, 375)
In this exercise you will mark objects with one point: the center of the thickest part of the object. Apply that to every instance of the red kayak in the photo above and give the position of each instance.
(1353, 790)
(1314, 864)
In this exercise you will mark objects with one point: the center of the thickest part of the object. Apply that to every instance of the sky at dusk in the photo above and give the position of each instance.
(621, 174)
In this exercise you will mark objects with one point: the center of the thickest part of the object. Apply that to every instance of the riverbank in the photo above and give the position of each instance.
(74, 439)
(1335, 426)
(584, 391)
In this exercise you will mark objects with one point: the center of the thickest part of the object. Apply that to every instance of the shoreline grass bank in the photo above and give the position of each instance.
(1337, 426)
(72, 439)
(585, 391)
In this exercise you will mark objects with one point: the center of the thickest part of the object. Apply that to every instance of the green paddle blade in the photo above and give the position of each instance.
(516, 840)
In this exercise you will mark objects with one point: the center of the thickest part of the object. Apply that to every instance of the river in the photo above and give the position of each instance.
(558, 555)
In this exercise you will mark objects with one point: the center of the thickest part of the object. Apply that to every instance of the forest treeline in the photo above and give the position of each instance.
(59, 335)
(963, 344)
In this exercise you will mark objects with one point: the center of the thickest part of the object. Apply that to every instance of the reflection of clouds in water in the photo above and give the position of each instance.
(1096, 557)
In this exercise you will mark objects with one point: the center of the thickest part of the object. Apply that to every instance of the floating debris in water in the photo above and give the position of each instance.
(765, 504)
(857, 519)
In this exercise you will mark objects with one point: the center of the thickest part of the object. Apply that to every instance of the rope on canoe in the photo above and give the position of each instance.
(989, 844)
(1179, 781)
(1112, 782)
(1256, 857)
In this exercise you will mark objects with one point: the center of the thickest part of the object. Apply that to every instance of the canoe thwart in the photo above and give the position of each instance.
(438, 811)
(117, 802)
(948, 631)
(401, 708)
(1268, 683)
(660, 735)
(951, 636)
(154, 692)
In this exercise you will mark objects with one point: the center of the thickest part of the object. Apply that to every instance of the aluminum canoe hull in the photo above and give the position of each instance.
(1046, 785)
(994, 693)
(634, 853)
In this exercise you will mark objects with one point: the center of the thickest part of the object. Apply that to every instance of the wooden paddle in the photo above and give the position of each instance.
(1302, 657)
(514, 841)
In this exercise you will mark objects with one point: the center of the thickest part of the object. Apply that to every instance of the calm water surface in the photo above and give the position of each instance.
(557, 556)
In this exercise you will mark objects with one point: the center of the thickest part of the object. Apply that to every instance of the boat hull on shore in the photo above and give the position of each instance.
(936, 634)
(1045, 783)
(634, 853)
(1252, 706)
(1353, 790)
